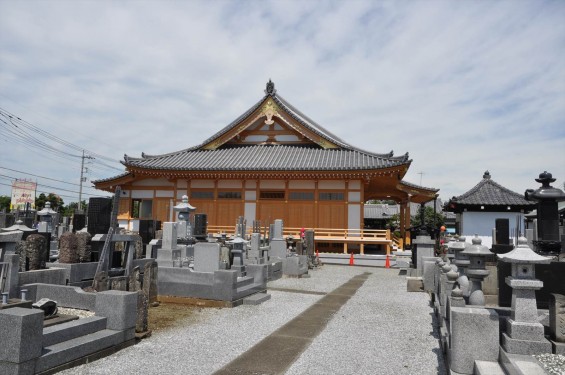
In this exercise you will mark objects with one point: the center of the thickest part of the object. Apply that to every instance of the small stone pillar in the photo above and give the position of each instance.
(237, 252)
(477, 271)
(68, 248)
(424, 248)
(524, 333)
(462, 262)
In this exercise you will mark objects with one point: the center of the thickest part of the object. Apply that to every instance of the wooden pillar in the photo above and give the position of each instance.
(407, 221)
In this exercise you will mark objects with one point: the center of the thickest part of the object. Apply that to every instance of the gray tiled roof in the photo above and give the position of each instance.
(380, 211)
(267, 157)
(270, 157)
(487, 192)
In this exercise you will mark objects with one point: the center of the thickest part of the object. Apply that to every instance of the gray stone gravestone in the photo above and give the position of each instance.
(206, 257)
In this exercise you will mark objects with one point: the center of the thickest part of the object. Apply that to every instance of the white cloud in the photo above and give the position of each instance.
(462, 86)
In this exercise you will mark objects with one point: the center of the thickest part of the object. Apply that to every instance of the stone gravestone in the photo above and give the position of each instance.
(169, 250)
(206, 257)
(35, 252)
(8, 242)
(278, 229)
(557, 322)
(68, 248)
(84, 247)
(255, 251)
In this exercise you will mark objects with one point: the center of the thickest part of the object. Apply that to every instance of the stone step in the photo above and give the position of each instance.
(73, 329)
(67, 351)
(488, 368)
(244, 281)
(517, 364)
(256, 299)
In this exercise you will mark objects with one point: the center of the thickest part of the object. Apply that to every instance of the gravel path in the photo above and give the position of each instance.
(381, 330)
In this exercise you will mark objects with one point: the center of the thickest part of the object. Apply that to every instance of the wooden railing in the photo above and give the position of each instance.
(327, 235)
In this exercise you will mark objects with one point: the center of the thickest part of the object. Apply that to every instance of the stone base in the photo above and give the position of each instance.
(524, 347)
(474, 336)
(414, 284)
(558, 347)
(524, 331)
(515, 364)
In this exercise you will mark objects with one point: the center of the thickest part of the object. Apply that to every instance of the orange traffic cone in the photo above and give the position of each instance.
(351, 260)
(387, 262)
(317, 254)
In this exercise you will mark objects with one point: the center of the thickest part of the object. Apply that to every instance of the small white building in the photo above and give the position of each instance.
(478, 209)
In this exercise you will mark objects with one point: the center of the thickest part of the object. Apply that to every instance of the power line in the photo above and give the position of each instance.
(61, 195)
(23, 136)
(47, 186)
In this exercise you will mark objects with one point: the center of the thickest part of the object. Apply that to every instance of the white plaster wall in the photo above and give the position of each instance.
(302, 184)
(164, 193)
(250, 195)
(249, 212)
(329, 184)
(354, 216)
(138, 194)
(202, 184)
(125, 194)
(482, 223)
(354, 196)
(153, 182)
(272, 184)
(355, 184)
(223, 184)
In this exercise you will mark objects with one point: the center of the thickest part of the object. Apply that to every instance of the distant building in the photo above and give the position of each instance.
(477, 209)
(272, 162)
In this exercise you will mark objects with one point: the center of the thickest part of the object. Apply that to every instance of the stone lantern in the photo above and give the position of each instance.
(462, 262)
(46, 216)
(525, 334)
(547, 214)
(237, 250)
(477, 271)
(184, 210)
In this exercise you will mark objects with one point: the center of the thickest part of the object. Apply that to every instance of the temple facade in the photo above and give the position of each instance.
(272, 162)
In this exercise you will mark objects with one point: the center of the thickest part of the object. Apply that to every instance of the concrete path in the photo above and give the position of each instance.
(342, 320)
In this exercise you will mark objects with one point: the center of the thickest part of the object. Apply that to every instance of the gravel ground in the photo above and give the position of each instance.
(381, 330)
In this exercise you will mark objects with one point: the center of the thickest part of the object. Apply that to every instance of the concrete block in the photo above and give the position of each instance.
(13, 277)
(119, 307)
(474, 336)
(21, 331)
(256, 299)
(66, 296)
(428, 272)
(206, 257)
(55, 276)
(277, 248)
(414, 284)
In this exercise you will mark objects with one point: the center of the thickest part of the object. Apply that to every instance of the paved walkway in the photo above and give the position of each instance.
(342, 320)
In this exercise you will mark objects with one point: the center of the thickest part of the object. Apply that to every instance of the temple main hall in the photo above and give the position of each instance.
(271, 162)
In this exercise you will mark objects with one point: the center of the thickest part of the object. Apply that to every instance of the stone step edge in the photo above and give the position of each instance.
(70, 330)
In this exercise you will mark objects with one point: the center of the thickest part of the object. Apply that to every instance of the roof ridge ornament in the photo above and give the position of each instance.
(486, 175)
(270, 89)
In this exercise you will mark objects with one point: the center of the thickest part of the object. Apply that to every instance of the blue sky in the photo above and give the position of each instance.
(463, 87)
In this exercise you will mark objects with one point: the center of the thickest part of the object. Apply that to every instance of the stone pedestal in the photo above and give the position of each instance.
(473, 337)
(424, 248)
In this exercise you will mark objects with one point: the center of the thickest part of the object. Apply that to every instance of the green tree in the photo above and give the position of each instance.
(55, 200)
(5, 201)
(431, 219)
(72, 207)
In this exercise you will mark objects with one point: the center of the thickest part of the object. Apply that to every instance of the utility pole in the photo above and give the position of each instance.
(421, 175)
(82, 179)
